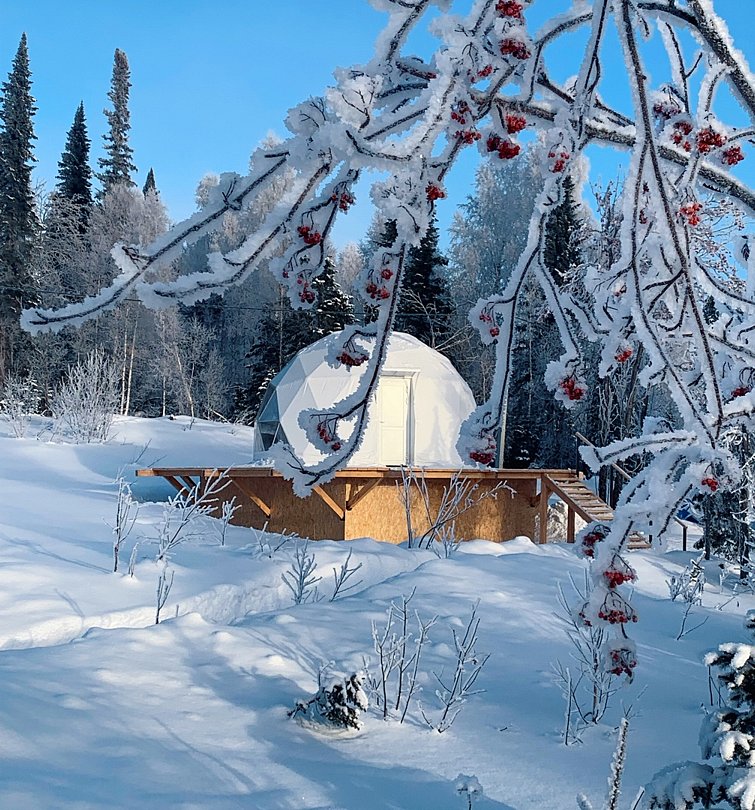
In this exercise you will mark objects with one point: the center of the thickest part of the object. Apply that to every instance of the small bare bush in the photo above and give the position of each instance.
(19, 399)
(87, 399)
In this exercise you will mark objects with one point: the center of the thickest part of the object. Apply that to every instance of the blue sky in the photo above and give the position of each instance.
(211, 79)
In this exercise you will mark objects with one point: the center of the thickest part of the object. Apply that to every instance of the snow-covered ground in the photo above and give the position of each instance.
(101, 708)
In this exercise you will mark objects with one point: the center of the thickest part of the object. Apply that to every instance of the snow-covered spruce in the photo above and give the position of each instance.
(336, 707)
(727, 742)
(407, 119)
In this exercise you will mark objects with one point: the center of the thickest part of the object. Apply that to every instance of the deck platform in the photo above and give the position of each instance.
(365, 502)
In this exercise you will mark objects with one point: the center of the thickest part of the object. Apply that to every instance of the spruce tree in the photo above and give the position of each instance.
(74, 174)
(117, 166)
(284, 331)
(19, 225)
(333, 309)
(425, 308)
(561, 250)
(149, 183)
(279, 335)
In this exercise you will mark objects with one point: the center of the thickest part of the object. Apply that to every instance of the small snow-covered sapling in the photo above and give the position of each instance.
(335, 707)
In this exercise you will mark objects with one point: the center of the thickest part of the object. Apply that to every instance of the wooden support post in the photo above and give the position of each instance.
(544, 492)
(569, 524)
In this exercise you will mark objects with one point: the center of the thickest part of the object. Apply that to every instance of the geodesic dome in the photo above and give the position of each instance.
(415, 417)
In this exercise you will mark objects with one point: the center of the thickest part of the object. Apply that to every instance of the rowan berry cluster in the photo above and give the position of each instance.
(618, 573)
(617, 615)
(732, 155)
(468, 136)
(345, 200)
(505, 147)
(573, 390)
(691, 212)
(515, 123)
(679, 135)
(327, 437)
(434, 192)
(349, 359)
(590, 540)
(306, 293)
(624, 354)
(516, 48)
(483, 73)
(460, 112)
(509, 8)
(377, 293)
(621, 662)
(709, 139)
(741, 391)
(666, 110)
(310, 237)
(485, 454)
(559, 159)
(487, 317)
(710, 483)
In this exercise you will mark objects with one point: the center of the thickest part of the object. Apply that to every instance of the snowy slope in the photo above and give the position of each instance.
(100, 708)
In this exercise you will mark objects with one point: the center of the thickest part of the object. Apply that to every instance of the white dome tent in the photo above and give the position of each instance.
(420, 405)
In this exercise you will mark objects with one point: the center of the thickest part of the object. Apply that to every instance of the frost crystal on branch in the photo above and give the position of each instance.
(669, 297)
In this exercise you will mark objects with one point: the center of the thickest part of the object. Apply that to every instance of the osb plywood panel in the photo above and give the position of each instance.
(380, 513)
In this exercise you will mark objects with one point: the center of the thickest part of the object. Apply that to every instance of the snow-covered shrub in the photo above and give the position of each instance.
(86, 401)
(399, 652)
(617, 772)
(589, 689)
(452, 693)
(469, 787)
(126, 513)
(727, 740)
(342, 575)
(19, 399)
(182, 514)
(690, 583)
(300, 578)
(337, 707)
(459, 496)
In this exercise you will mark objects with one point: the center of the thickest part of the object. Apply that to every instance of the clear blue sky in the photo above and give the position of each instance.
(211, 79)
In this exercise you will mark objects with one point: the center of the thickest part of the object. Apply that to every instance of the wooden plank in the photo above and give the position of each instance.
(244, 488)
(351, 502)
(330, 502)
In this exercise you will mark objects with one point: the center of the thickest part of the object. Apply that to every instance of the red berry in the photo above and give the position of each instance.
(494, 331)
(386, 273)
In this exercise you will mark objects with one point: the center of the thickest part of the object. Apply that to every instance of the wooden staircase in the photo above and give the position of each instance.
(579, 500)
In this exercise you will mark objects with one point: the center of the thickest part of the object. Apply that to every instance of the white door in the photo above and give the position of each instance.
(393, 414)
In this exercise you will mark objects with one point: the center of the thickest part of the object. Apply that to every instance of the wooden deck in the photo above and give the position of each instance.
(363, 502)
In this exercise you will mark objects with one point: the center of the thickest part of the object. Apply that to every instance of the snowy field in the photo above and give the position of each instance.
(101, 708)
